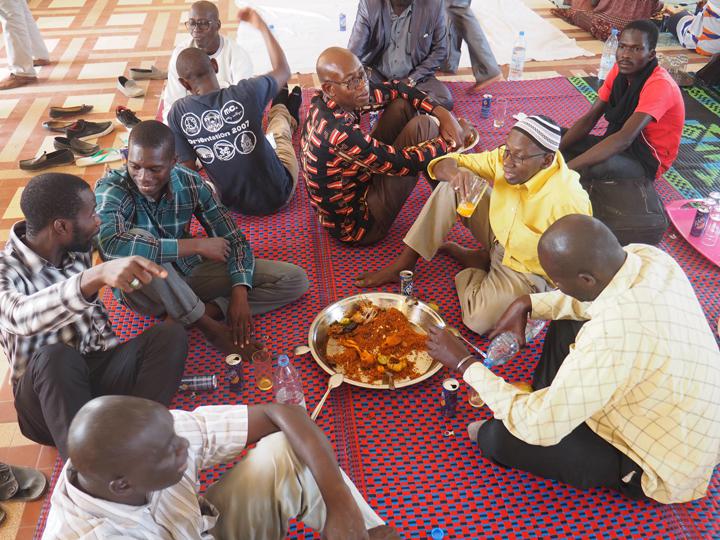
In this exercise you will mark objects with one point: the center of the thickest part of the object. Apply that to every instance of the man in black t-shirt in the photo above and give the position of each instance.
(222, 128)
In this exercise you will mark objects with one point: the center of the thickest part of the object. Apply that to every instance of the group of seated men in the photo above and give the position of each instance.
(626, 394)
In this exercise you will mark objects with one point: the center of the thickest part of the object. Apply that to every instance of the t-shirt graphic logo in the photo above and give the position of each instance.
(224, 150)
(212, 121)
(232, 112)
(190, 124)
(245, 142)
(205, 154)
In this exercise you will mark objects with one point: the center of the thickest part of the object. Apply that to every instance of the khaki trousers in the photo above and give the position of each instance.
(266, 489)
(282, 125)
(484, 295)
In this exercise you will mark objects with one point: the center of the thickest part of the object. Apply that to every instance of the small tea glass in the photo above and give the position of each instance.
(499, 112)
(470, 199)
(262, 366)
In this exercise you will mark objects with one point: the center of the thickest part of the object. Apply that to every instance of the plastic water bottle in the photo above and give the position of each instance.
(506, 345)
(607, 61)
(287, 384)
(517, 63)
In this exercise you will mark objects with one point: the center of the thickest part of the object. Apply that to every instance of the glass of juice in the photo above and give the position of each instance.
(262, 366)
(470, 199)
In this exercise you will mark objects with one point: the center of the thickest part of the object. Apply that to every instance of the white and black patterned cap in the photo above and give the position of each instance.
(543, 131)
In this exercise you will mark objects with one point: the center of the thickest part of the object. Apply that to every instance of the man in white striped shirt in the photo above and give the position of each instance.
(133, 473)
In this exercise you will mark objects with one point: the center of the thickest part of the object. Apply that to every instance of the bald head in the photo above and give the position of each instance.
(335, 63)
(343, 78)
(581, 255)
(193, 64)
(204, 10)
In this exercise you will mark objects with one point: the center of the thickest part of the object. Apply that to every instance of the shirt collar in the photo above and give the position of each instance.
(334, 108)
(34, 262)
(621, 282)
(405, 13)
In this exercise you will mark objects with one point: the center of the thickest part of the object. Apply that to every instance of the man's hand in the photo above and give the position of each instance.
(130, 273)
(239, 316)
(344, 521)
(213, 249)
(252, 17)
(450, 129)
(514, 319)
(445, 348)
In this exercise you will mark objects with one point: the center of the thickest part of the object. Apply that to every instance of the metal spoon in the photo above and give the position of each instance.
(390, 380)
(336, 379)
(455, 332)
(299, 350)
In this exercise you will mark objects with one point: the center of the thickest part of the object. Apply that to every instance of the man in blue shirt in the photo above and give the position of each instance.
(222, 127)
(146, 210)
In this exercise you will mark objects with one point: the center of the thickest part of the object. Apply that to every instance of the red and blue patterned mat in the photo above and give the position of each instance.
(417, 469)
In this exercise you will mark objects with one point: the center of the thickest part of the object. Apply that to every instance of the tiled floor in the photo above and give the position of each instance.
(92, 42)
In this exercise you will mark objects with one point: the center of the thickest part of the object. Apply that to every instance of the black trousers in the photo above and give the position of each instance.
(582, 459)
(59, 380)
(622, 165)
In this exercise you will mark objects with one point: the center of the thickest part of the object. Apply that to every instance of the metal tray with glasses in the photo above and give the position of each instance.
(421, 315)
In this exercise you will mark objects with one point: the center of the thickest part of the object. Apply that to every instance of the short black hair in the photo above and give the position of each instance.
(153, 134)
(648, 28)
(51, 196)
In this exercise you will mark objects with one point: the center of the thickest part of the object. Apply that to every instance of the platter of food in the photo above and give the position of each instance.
(375, 339)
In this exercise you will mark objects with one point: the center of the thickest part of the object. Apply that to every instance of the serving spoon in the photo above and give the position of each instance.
(299, 350)
(455, 332)
(336, 379)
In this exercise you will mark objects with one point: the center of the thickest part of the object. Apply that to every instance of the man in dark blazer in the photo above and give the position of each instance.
(403, 40)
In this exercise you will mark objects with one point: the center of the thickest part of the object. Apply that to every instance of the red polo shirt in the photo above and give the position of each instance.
(662, 99)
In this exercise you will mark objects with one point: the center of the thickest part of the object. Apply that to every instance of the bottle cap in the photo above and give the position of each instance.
(283, 360)
(437, 534)
(615, 31)
(522, 32)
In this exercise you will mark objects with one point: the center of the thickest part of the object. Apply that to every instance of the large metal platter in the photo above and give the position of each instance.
(417, 312)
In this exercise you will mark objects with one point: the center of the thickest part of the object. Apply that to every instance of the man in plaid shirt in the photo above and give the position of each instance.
(54, 329)
(358, 183)
(146, 210)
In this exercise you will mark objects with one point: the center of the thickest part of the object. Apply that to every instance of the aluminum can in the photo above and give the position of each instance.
(343, 22)
(448, 402)
(234, 373)
(374, 115)
(701, 218)
(486, 104)
(198, 383)
(406, 283)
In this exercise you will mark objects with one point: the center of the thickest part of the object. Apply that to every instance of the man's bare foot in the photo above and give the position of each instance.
(16, 81)
(383, 532)
(213, 311)
(390, 273)
(218, 334)
(468, 258)
(477, 87)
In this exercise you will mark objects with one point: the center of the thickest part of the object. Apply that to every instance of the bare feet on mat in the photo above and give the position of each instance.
(383, 532)
(478, 87)
(468, 258)
(390, 273)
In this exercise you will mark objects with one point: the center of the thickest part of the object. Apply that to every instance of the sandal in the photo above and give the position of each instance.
(21, 483)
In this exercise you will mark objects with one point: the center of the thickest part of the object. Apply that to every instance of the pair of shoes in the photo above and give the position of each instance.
(16, 81)
(21, 484)
(63, 112)
(82, 129)
(126, 117)
(106, 155)
(77, 146)
(140, 74)
(291, 100)
(45, 161)
(129, 87)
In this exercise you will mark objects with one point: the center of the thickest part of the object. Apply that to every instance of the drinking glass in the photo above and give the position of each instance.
(499, 112)
(472, 196)
(712, 229)
(474, 398)
(262, 365)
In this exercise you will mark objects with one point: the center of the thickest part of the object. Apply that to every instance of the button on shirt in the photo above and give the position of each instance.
(42, 304)
(122, 207)
(396, 61)
(217, 434)
(644, 374)
(520, 214)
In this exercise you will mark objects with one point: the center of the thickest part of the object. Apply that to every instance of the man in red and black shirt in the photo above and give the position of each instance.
(645, 113)
(358, 183)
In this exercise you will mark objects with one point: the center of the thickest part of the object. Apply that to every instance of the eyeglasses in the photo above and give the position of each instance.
(200, 24)
(354, 82)
(507, 156)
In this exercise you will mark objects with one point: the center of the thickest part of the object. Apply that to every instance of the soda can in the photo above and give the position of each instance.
(198, 383)
(486, 104)
(234, 373)
(406, 283)
(448, 402)
(343, 22)
(701, 219)
(373, 119)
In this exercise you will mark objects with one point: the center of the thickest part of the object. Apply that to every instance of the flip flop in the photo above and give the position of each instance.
(21, 483)
(106, 155)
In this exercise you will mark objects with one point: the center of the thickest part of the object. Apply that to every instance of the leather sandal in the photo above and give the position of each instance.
(21, 483)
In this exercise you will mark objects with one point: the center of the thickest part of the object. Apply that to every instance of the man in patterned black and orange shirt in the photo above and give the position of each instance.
(358, 183)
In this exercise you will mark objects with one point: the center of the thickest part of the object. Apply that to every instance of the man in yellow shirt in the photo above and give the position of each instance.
(627, 389)
(532, 187)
